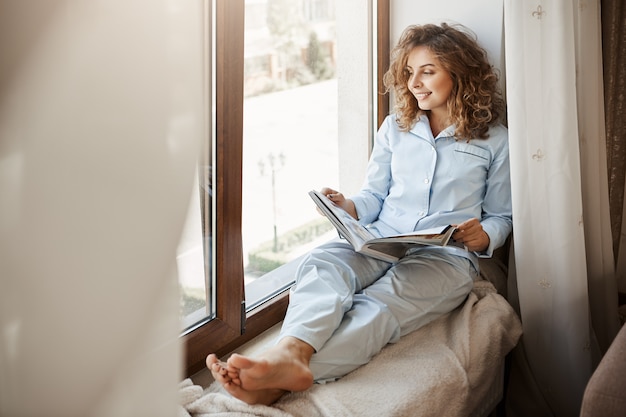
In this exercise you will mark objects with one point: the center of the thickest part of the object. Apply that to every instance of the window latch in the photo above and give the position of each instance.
(243, 317)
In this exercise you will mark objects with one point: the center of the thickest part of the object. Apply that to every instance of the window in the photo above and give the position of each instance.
(259, 162)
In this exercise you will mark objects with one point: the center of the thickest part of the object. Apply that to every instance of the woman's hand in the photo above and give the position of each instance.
(340, 200)
(472, 235)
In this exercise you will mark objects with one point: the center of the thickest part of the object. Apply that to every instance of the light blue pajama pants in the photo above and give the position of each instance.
(349, 306)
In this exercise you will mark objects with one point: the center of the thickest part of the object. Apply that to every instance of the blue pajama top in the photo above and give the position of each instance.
(416, 181)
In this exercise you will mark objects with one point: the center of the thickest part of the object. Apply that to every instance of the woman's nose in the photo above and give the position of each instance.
(414, 81)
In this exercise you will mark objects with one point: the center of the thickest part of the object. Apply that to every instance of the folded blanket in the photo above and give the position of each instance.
(445, 368)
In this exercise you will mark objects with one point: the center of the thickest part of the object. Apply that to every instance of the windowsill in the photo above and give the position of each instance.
(253, 347)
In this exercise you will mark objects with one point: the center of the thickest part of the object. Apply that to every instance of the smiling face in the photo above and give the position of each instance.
(429, 82)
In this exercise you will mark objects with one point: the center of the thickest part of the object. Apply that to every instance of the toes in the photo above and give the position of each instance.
(210, 360)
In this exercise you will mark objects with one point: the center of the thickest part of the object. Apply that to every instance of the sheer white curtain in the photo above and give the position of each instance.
(562, 237)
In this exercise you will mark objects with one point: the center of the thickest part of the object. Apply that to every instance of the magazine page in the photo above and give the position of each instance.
(433, 236)
(347, 226)
(393, 248)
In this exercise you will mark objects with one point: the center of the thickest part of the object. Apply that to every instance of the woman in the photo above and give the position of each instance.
(441, 159)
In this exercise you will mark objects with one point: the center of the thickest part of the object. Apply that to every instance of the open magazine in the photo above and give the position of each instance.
(390, 248)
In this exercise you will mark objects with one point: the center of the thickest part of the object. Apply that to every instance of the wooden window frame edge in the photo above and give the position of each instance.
(212, 335)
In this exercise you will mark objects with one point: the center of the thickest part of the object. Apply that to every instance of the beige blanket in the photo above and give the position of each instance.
(447, 368)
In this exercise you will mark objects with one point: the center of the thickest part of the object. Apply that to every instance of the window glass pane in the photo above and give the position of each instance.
(194, 256)
(290, 134)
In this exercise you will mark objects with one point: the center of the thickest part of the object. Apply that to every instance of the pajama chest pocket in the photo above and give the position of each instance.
(471, 154)
(471, 161)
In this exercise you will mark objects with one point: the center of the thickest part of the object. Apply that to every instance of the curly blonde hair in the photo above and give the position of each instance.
(475, 102)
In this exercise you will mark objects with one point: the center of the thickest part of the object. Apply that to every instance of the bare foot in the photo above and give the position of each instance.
(229, 378)
(263, 380)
